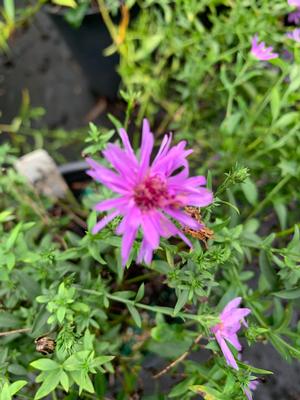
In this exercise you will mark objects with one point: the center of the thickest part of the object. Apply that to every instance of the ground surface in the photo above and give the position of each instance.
(42, 63)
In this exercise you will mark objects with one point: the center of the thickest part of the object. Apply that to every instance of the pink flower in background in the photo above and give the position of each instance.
(294, 35)
(251, 387)
(148, 195)
(226, 331)
(260, 51)
(294, 17)
(295, 3)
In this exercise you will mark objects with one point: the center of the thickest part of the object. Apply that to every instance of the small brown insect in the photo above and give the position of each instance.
(204, 233)
(45, 345)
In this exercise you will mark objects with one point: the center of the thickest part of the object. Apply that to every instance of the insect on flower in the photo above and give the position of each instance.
(203, 233)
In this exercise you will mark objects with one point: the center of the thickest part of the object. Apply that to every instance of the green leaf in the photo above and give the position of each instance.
(28, 283)
(9, 7)
(50, 383)
(181, 301)
(65, 3)
(150, 43)
(281, 212)
(275, 102)
(10, 261)
(250, 191)
(140, 293)
(13, 236)
(8, 320)
(45, 364)
(60, 314)
(64, 380)
(16, 386)
(5, 393)
(267, 270)
(135, 315)
(287, 119)
(288, 294)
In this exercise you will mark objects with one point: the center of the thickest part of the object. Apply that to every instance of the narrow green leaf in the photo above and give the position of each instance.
(250, 191)
(181, 301)
(140, 293)
(49, 384)
(45, 364)
(275, 102)
(16, 386)
(267, 270)
(288, 294)
(135, 315)
(9, 7)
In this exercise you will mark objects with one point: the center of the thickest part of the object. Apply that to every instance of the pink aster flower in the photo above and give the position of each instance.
(294, 35)
(251, 387)
(260, 51)
(294, 17)
(148, 194)
(295, 3)
(226, 331)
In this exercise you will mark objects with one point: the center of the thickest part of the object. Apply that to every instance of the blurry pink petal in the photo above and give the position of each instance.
(294, 17)
(294, 35)
(108, 204)
(230, 323)
(126, 142)
(127, 242)
(295, 3)
(233, 339)
(147, 146)
(260, 51)
(150, 231)
(104, 221)
(183, 218)
(226, 351)
(145, 253)
(234, 303)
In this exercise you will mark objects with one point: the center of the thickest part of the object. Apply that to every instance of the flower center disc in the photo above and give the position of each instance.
(151, 193)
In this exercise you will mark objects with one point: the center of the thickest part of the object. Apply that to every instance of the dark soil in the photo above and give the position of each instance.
(40, 61)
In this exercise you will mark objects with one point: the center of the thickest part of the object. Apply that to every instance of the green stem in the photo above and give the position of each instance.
(108, 22)
(270, 196)
(203, 320)
(287, 231)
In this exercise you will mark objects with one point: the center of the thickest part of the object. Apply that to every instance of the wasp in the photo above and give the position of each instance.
(204, 233)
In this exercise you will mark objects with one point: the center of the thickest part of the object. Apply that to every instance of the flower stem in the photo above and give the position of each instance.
(205, 320)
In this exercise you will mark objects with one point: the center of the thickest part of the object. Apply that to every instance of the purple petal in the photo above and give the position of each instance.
(150, 231)
(145, 253)
(230, 360)
(234, 303)
(183, 218)
(126, 142)
(164, 147)
(233, 339)
(248, 394)
(127, 242)
(146, 148)
(202, 199)
(236, 316)
(110, 203)
(104, 221)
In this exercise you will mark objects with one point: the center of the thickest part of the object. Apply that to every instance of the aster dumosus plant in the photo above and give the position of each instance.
(149, 195)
